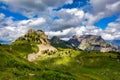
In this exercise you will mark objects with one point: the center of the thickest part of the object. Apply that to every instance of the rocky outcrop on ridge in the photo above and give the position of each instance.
(37, 37)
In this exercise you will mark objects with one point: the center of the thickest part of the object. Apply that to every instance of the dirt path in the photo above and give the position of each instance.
(32, 57)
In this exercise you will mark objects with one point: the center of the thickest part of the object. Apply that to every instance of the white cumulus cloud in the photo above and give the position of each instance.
(30, 8)
(2, 16)
(63, 23)
(13, 29)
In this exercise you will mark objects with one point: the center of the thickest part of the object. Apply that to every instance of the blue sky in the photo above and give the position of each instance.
(102, 23)
(62, 18)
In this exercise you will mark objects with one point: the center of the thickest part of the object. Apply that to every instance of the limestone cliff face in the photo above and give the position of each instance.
(74, 41)
(92, 42)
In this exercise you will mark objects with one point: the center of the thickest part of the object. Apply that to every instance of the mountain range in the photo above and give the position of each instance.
(35, 57)
(86, 42)
(38, 42)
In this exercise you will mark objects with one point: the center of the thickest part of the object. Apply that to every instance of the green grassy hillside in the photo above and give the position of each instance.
(65, 64)
(13, 66)
(83, 65)
(24, 48)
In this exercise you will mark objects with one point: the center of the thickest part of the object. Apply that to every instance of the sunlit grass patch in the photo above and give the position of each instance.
(64, 61)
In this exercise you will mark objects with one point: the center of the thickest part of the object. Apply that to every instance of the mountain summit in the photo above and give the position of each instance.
(32, 36)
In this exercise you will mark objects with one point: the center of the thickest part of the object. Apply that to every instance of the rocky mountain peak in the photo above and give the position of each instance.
(38, 37)
(55, 39)
(58, 43)
(92, 42)
(92, 39)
